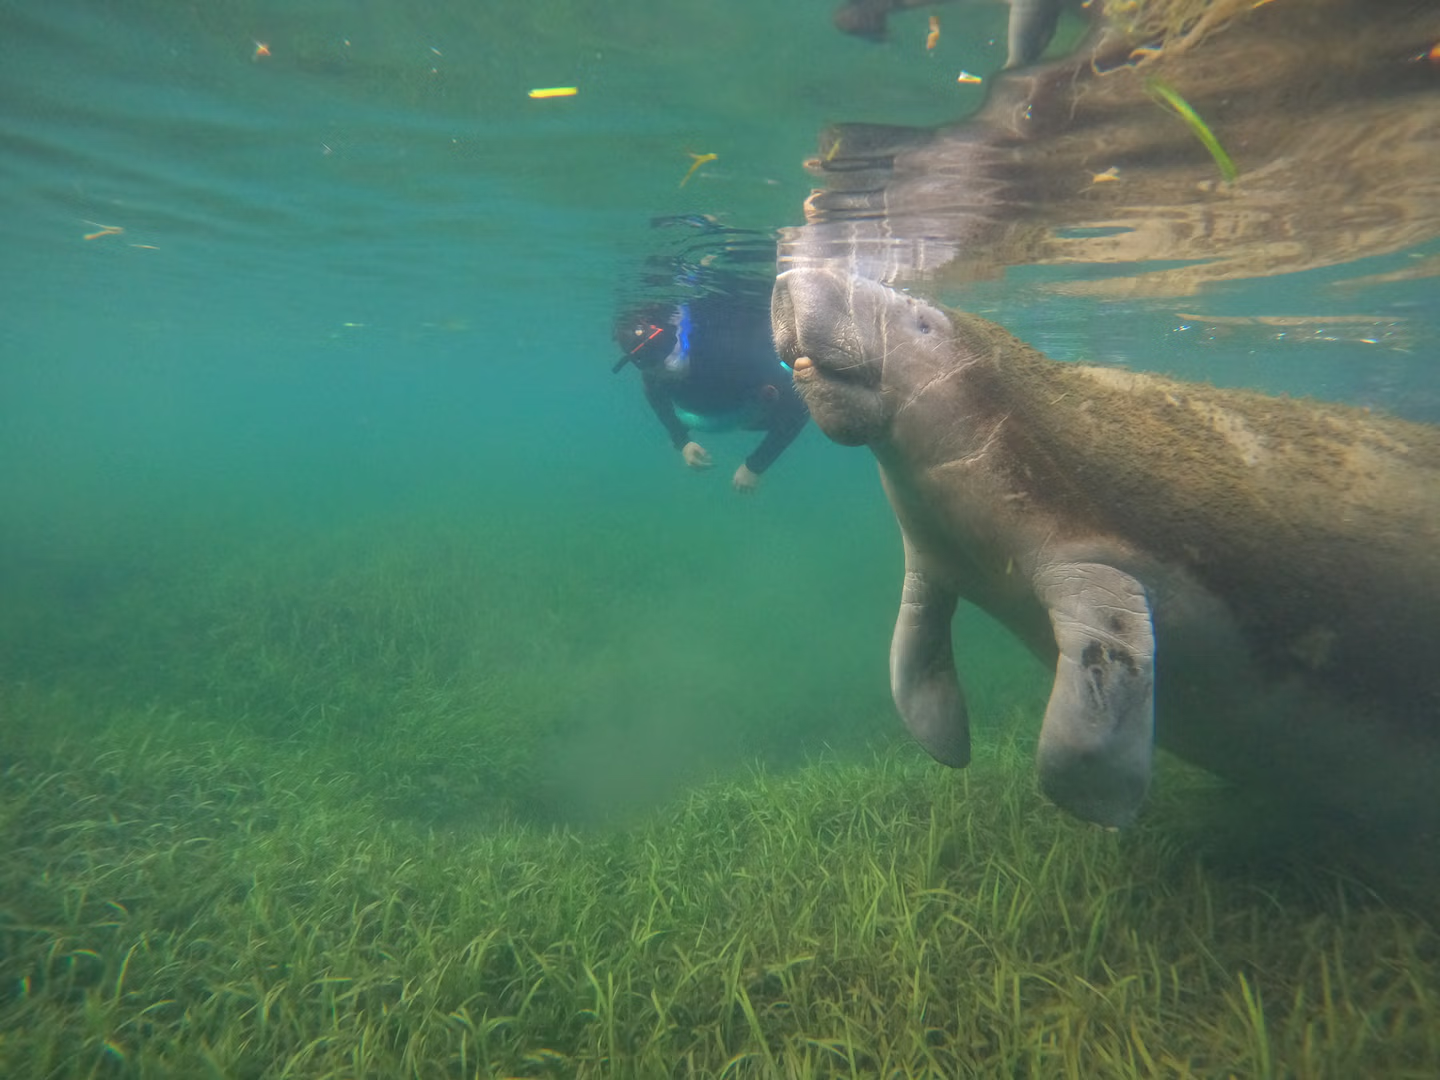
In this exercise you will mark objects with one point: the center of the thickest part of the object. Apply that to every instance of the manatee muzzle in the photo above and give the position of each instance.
(812, 317)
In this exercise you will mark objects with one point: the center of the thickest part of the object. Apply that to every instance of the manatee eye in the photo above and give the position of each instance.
(924, 325)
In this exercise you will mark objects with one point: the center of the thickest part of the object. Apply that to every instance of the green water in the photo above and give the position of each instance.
(379, 696)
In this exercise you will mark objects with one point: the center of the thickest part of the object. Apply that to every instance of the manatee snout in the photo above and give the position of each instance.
(782, 322)
(814, 320)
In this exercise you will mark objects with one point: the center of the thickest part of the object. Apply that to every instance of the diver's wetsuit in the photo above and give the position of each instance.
(732, 379)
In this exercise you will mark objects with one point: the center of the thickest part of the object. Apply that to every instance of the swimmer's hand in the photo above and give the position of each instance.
(696, 456)
(745, 481)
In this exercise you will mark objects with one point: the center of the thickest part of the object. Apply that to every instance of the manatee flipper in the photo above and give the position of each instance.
(1032, 25)
(1098, 737)
(922, 668)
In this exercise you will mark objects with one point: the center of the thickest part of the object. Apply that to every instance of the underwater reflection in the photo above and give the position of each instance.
(1112, 162)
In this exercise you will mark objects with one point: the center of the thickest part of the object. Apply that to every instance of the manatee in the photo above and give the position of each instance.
(1250, 582)
(1032, 23)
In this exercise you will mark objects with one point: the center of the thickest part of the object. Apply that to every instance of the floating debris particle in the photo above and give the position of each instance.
(700, 159)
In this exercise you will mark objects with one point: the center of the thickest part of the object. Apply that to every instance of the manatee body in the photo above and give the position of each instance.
(1251, 582)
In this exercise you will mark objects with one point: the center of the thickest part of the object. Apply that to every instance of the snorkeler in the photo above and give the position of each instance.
(709, 364)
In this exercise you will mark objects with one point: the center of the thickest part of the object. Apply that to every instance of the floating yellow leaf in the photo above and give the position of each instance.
(700, 159)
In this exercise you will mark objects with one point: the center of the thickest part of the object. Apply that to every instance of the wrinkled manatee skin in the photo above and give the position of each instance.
(1247, 581)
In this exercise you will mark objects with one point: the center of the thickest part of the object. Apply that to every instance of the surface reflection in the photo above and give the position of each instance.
(1329, 111)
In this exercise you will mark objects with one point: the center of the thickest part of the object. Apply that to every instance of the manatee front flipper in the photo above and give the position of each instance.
(1098, 736)
(922, 669)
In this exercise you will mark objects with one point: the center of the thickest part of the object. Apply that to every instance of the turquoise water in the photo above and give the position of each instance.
(309, 437)
(367, 264)
(364, 278)
(364, 281)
